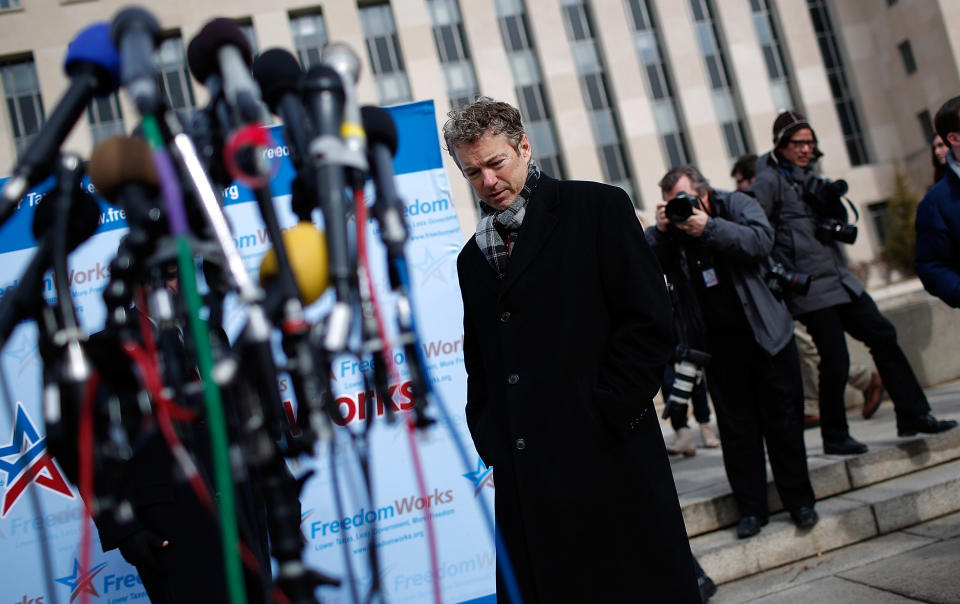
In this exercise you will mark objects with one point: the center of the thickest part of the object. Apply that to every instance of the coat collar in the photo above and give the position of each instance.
(539, 222)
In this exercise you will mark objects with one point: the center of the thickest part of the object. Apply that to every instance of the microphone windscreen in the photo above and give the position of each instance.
(379, 127)
(134, 18)
(118, 161)
(93, 46)
(277, 72)
(307, 249)
(202, 50)
(83, 218)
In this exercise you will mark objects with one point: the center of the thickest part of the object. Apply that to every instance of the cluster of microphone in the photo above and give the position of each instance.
(169, 341)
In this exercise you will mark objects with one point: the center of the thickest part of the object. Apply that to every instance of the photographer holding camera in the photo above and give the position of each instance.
(809, 219)
(722, 241)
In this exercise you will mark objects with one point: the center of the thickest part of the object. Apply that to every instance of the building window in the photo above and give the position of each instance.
(906, 54)
(729, 113)
(768, 36)
(926, 126)
(891, 2)
(528, 85)
(839, 86)
(21, 89)
(309, 37)
(454, 53)
(9, 4)
(105, 117)
(596, 96)
(666, 113)
(878, 217)
(386, 59)
(174, 76)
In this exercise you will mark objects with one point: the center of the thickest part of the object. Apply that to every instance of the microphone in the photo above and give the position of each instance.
(220, 48)
(136, 34)
(123, 172)
(307, 250)
(381, 147)
(323, 89)
(346, 63)
(82, 221)
(278, 73)
(93, 66)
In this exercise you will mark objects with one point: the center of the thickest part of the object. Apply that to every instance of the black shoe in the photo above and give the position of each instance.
(804, 516)
(847, 446)
(926, 423)
(749, 526)
(708, 588)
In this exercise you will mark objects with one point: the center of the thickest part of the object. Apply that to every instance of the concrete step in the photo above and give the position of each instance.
(847, 518)
(712, 506)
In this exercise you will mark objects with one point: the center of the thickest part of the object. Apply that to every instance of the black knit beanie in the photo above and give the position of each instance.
(786, 124)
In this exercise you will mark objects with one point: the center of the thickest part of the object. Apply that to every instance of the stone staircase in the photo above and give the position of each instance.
(897, 483)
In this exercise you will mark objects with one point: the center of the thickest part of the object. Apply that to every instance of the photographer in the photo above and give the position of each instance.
(810, 221)
(723, 240)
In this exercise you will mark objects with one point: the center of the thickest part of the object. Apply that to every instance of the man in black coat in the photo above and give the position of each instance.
(567, 328)
(809, 219)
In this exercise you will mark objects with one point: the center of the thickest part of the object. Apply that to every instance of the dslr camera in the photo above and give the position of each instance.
(681, 207)
(825, 196)
(780, 280)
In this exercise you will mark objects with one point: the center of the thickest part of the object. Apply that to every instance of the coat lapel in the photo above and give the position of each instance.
(537, 227)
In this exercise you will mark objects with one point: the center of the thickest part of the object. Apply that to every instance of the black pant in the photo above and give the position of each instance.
(761, 400)
(861, 319)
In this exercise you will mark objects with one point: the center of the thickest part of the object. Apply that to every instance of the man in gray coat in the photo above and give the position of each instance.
(723, 246)
(808, 226)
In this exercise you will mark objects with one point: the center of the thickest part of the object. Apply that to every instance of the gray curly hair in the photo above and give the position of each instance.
(470, 122)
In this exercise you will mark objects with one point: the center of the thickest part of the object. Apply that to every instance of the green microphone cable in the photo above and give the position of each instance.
(176, 214)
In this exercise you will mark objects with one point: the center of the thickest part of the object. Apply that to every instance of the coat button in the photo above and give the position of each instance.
(513, 379)
(505, 317)
(519, 444)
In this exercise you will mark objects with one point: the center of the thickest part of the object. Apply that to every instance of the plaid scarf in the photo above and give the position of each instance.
(495, 225)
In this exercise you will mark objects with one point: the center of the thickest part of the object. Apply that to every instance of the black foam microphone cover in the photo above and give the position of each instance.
(277, 72)
(379, 127)
(202, 50)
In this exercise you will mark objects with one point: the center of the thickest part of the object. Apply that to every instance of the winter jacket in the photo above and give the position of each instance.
(938, 239)
(741, 233)
(779, 191)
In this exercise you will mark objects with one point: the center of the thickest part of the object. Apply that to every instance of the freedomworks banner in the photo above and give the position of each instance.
(340, 520)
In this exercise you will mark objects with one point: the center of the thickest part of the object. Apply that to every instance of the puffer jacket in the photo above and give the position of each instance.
(779, 190)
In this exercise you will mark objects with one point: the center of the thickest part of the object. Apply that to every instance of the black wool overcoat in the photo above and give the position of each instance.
(563, 357)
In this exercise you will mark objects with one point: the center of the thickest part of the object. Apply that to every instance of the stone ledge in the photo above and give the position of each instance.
(725, 557)
(844, 520)
(913, 498)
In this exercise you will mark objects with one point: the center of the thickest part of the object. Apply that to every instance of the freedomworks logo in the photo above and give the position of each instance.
(25, 461)
(483, 477)
(81, 581)
(397, 509)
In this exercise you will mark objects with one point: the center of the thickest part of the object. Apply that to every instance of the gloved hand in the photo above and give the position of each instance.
(142, 549)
